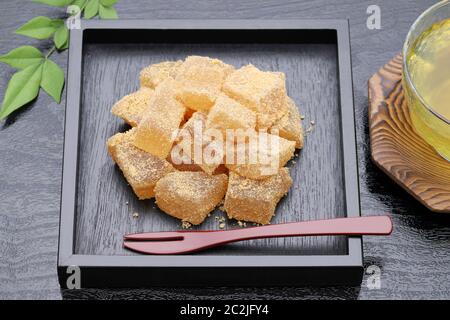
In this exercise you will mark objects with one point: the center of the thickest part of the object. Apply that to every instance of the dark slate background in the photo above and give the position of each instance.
(414, 261)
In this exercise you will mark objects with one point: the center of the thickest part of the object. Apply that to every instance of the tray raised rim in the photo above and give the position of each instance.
(66, 256)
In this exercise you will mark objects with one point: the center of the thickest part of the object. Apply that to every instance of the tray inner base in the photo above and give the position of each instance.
(105, 203)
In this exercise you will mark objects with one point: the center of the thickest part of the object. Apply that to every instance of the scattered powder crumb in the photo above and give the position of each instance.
(220, 206)
(311, 127)
(302, 117)
(126, 203)
(185, 225)
(221, 222)
(135, 215)
(217, 218)
(242, 224)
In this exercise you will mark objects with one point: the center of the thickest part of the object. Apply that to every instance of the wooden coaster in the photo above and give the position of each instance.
(395, 146)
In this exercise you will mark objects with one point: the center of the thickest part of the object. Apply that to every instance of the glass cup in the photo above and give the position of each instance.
(432, 126)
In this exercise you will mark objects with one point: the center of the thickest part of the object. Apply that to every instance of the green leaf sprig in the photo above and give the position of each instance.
(35, 70)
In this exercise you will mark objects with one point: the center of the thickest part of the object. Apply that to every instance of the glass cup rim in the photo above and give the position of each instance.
(430, 10)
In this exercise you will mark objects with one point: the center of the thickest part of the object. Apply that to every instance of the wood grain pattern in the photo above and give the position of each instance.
(395, 146)
(414, 260)
(106, 203)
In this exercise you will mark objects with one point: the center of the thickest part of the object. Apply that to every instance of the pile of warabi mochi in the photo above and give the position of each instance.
(190, 174)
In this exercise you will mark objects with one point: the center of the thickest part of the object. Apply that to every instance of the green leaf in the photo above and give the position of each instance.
(52, 80)
(107, 12)
(91, 9)
(65, 45)
(108, 3)
(22, 88)
(58, 23)
(40, 27)
(22, 57)
(61, 36)
(79, 3)
(55, 3)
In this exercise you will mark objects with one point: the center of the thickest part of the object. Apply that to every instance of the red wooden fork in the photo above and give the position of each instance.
(184, 241)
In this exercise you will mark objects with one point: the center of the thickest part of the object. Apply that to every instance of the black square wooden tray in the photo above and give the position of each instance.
(97, 206)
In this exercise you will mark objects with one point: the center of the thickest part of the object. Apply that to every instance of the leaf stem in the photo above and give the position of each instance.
(50, 52)
(53, 49)
(83, 6)
(81, 9)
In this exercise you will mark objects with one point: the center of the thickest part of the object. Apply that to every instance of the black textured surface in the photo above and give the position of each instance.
(112, 51)
(106, 203)
(414, 261)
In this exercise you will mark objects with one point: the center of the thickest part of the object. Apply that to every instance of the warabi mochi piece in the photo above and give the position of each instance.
(290, 125)
(190, 147)
(158, 128)
(212, 151)
(211, 170)
(221, 169)
(195, 167)
(188, 114)
(197, 119)
(255, 200)
(262, 92)
(227, 113)
(203, 71)
(201, 80)
(185, 167)
(131, 107)
(261, 156)
(212, 157)
(155, 74)
(141, 169)
(197, 97)
(190, 196)
(182, 154)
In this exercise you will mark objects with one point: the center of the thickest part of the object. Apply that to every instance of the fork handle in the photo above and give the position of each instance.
(190, 241)
(373, 225)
